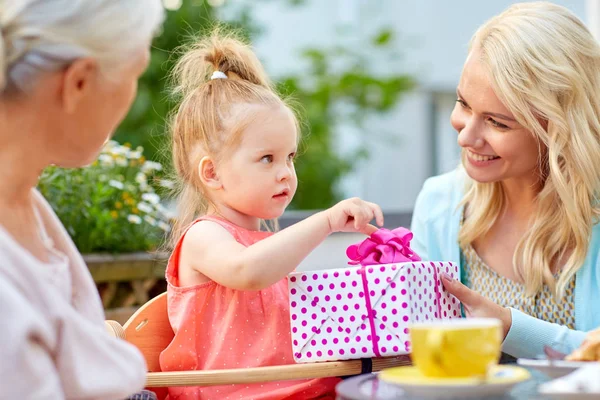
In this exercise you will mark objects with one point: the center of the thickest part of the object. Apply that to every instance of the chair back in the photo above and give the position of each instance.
(149, 329)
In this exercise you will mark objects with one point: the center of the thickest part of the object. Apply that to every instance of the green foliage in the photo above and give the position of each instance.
(111, 205)
(145, 124)
(321, 90)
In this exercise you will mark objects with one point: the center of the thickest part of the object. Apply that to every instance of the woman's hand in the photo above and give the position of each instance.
(476, 305)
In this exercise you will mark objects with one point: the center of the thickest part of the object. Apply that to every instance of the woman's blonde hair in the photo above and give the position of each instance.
(47, 35)
(544, 65)
(212, 113)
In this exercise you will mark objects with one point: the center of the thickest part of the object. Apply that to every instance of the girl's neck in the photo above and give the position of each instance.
(245, 221)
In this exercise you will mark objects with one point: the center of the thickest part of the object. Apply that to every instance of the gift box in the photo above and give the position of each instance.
(365, 311)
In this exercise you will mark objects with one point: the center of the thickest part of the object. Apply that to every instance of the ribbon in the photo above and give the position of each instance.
(370, 311)
(383, 247)
(438, 294)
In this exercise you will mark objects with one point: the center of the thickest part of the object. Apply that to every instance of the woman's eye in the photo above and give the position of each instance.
(462, 103)
(267, 159)
(292, 157)
(497, 124)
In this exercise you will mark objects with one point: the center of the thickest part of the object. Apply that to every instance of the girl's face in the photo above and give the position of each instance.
(495, 146)
(258, 179)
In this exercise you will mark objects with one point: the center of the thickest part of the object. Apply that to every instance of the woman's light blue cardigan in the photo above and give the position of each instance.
(435, 224)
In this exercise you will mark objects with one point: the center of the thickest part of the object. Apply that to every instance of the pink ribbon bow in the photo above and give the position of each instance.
(383, 247)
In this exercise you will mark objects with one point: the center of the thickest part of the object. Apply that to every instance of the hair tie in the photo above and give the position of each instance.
(218, 75)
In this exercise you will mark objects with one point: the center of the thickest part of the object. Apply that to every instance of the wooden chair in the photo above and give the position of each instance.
(149, 329)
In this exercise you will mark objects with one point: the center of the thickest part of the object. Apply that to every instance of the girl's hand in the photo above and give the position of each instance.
(477, 305)
(354, 215)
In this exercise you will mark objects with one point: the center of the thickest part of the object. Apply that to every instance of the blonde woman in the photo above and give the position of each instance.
(68, 75)
(521, 214)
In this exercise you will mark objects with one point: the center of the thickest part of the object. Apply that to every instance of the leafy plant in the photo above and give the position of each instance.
(145, 124)
(111, 205)
(329, 96)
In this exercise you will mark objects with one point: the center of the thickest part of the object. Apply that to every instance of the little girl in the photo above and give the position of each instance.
(234, 143)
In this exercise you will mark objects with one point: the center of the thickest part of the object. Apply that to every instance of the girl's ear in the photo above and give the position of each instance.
(208, 173)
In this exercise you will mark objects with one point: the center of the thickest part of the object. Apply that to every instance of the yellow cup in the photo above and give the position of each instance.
(456, 348)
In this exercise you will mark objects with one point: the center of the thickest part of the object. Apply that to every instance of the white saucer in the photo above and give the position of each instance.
(569, 396)
(500, 380)
(552, 368)
(579, 385)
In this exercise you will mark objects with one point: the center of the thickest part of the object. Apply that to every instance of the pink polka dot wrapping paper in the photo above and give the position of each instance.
(364, 312)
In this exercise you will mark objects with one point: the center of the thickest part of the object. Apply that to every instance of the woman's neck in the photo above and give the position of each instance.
(21, 167)
(19, 177)
(520, 196)
(23, 157)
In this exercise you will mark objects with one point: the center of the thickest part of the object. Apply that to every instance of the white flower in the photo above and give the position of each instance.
(150, 220)
(108, 146)
(116, 184)
(151, 198)
(142, 180)
(145, 207)
(166, 183)
(106, 160)
(120, 150)
(172, 4)
(134, 155)
(151, 166)
(134, 219)
(164, 226)
(121, 161)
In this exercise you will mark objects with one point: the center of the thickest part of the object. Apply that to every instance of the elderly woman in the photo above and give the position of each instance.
(68, 75)
(521, 214)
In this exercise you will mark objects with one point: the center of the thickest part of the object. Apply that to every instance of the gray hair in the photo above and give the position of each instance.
(46, 35)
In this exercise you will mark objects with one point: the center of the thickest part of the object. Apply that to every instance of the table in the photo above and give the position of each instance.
(368, 387)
